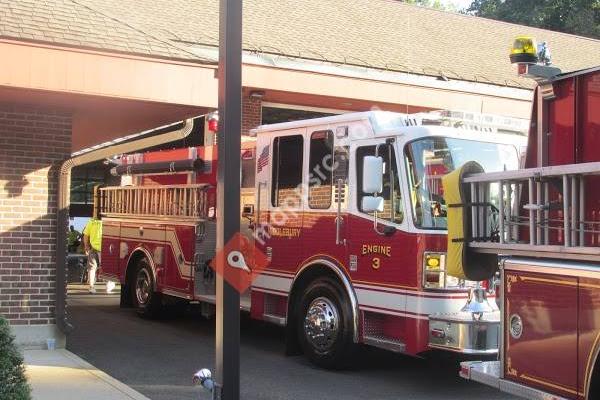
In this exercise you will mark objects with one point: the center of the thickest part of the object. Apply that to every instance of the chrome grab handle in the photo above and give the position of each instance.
(338, 217)
(258, 193)
(257, 210)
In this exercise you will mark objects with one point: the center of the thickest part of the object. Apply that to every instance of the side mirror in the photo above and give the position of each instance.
(372, 203)
(372, 179)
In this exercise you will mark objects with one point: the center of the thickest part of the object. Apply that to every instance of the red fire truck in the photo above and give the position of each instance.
(547, 232)
(348, 210)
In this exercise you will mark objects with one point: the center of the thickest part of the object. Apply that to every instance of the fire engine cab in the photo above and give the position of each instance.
(348, 210)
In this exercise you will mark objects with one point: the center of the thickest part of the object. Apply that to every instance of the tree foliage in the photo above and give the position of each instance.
(13, 384)
(437, 4)
(579, 17)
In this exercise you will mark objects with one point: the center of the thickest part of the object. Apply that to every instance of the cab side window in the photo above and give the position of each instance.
(392, 198)
(286, 188)
(320, 170)
(341, 158)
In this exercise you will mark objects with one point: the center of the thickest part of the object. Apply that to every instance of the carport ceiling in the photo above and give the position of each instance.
(100, 119)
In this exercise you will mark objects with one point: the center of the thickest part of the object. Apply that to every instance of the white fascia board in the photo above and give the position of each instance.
(350, 71)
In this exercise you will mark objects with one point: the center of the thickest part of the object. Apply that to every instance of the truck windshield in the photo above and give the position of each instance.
(429, 159)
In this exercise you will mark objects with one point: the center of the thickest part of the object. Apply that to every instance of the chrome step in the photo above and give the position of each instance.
(385, 343)
(245, 302)
(488, 373)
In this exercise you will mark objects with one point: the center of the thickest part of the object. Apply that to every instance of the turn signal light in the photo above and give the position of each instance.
(433, 260)
(434, 276)
(213, 122)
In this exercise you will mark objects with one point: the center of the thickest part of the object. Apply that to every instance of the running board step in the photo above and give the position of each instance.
(385, 343)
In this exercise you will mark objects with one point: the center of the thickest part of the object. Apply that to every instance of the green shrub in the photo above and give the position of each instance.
(13, 384)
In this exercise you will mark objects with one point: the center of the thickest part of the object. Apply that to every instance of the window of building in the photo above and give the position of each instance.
(248, 168)
(320, 170)
(82, 184)
(286, 190)
(392, 198)
(275, 115)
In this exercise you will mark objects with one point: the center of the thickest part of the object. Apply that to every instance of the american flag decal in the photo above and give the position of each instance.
(263, 159)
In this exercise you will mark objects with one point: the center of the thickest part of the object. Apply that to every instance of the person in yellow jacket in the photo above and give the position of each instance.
(92, 242)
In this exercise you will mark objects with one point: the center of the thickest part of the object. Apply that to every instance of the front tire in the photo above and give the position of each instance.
(324, 324)
(146, 301)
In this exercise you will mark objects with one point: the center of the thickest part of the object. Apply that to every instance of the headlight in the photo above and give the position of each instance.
(435, 276)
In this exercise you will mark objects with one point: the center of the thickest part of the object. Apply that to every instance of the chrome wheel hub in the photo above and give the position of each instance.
(321, 323)
(143, 288)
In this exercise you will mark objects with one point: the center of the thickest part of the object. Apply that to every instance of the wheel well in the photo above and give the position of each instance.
(133, 260)
(302, 281)
(136, 256)
(594, 383)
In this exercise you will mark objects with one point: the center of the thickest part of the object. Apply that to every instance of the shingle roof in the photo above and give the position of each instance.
(73, 23)
(384, 34)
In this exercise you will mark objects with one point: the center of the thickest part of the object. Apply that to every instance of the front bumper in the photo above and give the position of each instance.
(461, 332)
(488, 373)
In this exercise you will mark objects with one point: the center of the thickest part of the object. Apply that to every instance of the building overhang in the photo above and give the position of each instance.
(325, 84)
(109, 95)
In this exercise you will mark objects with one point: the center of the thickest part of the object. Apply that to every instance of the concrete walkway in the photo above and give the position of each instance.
(61, 375)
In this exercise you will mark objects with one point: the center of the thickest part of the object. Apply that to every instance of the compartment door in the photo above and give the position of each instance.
(111, 244)
(540, 347)
(204, 251)
(179, 241)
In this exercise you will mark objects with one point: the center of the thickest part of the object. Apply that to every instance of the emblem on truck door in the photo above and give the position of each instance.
(376, 249)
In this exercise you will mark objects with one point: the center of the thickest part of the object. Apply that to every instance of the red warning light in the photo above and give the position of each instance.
(213, 124)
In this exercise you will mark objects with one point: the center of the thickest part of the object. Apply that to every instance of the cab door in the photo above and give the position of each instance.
(380, 249)
(280, 199)
(324, 229)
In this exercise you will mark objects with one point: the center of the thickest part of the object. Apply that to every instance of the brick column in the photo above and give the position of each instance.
(251, 113)
(33, 142)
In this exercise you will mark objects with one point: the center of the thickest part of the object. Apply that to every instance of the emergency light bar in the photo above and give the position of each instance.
(470, 121)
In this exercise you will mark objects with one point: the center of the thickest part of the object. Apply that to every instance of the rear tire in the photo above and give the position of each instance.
(324, 324)
(146, 301)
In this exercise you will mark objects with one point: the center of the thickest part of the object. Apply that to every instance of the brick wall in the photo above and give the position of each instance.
(320, 197)
(33, 141)
(251, 113)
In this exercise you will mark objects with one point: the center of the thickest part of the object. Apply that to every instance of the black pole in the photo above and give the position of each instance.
(228, 207)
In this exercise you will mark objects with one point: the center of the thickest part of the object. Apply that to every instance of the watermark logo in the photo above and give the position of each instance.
(239, 262)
